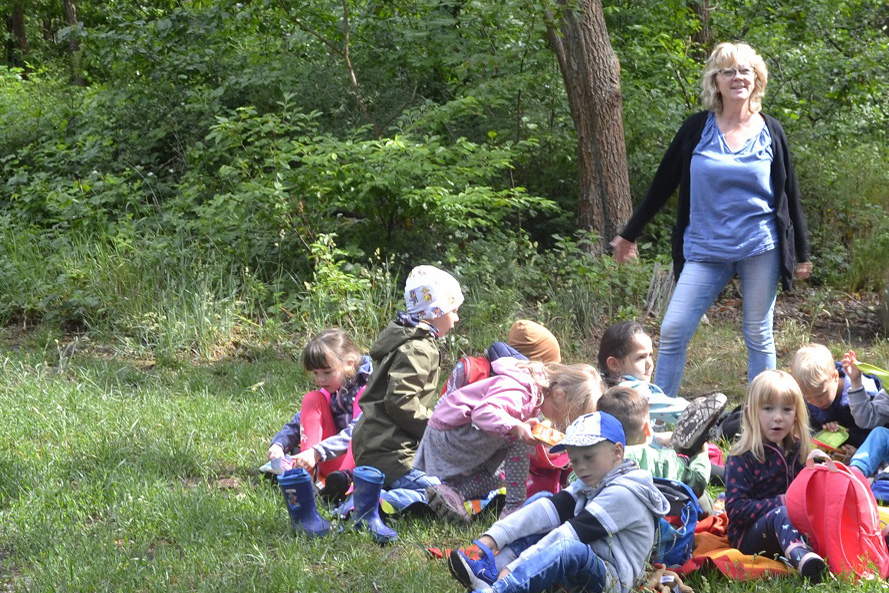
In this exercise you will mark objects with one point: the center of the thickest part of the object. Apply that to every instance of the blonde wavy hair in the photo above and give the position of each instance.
(581, 384)
(776, 388)
(727, 55)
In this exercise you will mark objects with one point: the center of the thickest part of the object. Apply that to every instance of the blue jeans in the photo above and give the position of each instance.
(698, 286)
(872, 452)
(414, 480)
(570, 563)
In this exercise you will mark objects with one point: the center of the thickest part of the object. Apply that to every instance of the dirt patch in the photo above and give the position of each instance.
(8, 571)
(228, 484)
(828, 316)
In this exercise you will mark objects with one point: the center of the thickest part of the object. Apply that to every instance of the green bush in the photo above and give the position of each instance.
(846, 198)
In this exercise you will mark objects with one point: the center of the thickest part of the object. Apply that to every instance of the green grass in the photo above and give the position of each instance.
(124, 475)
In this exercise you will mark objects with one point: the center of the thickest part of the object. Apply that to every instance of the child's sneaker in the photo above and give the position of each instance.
(694, 425)
(447, 503)
(811, 567)
(473, 574)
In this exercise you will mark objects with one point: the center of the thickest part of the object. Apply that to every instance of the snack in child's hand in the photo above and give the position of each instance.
(830, 441)
(546, 434)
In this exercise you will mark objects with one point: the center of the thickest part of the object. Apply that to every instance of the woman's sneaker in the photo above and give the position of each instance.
(473, 574)
(447, 503)
(694, 425)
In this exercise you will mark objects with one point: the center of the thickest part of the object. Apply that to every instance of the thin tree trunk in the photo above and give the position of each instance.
(591, 73)
(73, 42)
(18, 44)
(703, 37)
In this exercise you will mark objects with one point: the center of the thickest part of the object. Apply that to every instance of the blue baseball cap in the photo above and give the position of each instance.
(591, 429)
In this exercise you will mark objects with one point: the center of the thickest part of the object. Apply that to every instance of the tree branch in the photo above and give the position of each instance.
(353, 78)
(343, 53)
(299, 23)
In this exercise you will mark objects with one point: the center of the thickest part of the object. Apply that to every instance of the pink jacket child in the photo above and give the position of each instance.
(487, 424)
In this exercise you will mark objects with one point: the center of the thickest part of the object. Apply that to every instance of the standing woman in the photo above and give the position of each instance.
(739, 212)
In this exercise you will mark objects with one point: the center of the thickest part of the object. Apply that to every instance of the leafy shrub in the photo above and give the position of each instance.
(267, 185)
(846, 209)
(360, 299)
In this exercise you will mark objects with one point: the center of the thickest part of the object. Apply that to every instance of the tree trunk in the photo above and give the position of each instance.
(703, 37)
(591, 73)
(884, 307)
(18, 43)
(73, 42)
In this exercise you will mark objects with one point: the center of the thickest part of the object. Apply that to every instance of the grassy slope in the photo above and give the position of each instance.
(119, 476)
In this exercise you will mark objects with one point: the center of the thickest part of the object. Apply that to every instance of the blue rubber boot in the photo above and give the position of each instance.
(368, 482)
(299, 496)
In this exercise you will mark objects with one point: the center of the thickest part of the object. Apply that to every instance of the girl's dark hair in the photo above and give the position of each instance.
(617, 342)
(329, 348)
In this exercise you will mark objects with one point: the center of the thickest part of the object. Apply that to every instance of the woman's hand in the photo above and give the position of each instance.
(624, 250)
(803, 270)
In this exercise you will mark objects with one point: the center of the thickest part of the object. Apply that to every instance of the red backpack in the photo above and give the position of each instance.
(468, 369)
(837, 511)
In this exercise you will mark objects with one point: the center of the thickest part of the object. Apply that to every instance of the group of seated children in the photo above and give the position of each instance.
(378, 422)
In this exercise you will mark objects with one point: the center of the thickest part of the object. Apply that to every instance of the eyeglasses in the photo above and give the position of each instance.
(743, 72)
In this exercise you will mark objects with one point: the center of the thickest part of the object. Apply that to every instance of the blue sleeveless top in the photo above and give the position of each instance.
(732, 207)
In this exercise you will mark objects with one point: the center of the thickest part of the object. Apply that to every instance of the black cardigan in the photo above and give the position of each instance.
(675, 170)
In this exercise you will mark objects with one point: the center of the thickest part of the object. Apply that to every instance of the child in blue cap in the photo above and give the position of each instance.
(594, 536)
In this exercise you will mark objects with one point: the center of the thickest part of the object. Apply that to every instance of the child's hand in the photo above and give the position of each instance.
(503, 573)
(276, 452)
(523, 431)
(663, 439)
(844, 454)
(306, 459)
(489, 541)
(830, 426)
(849, 362)
(848, 449)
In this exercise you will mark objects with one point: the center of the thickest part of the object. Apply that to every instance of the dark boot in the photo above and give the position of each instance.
(336, 485)
(299, 496)
(810, 565)
(368, 483)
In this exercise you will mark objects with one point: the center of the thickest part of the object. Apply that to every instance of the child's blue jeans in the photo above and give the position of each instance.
(414, 480)
(872, 452)
(571, 563)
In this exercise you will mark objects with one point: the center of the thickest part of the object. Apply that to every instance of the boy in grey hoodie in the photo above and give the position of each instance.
(594, 536)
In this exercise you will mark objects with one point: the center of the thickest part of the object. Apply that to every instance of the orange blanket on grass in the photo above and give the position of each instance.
(712, 549)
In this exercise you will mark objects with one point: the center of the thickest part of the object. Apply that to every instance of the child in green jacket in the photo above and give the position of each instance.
(631, 408)
(399, 398)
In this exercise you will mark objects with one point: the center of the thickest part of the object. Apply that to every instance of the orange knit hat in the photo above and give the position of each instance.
(534, 341)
